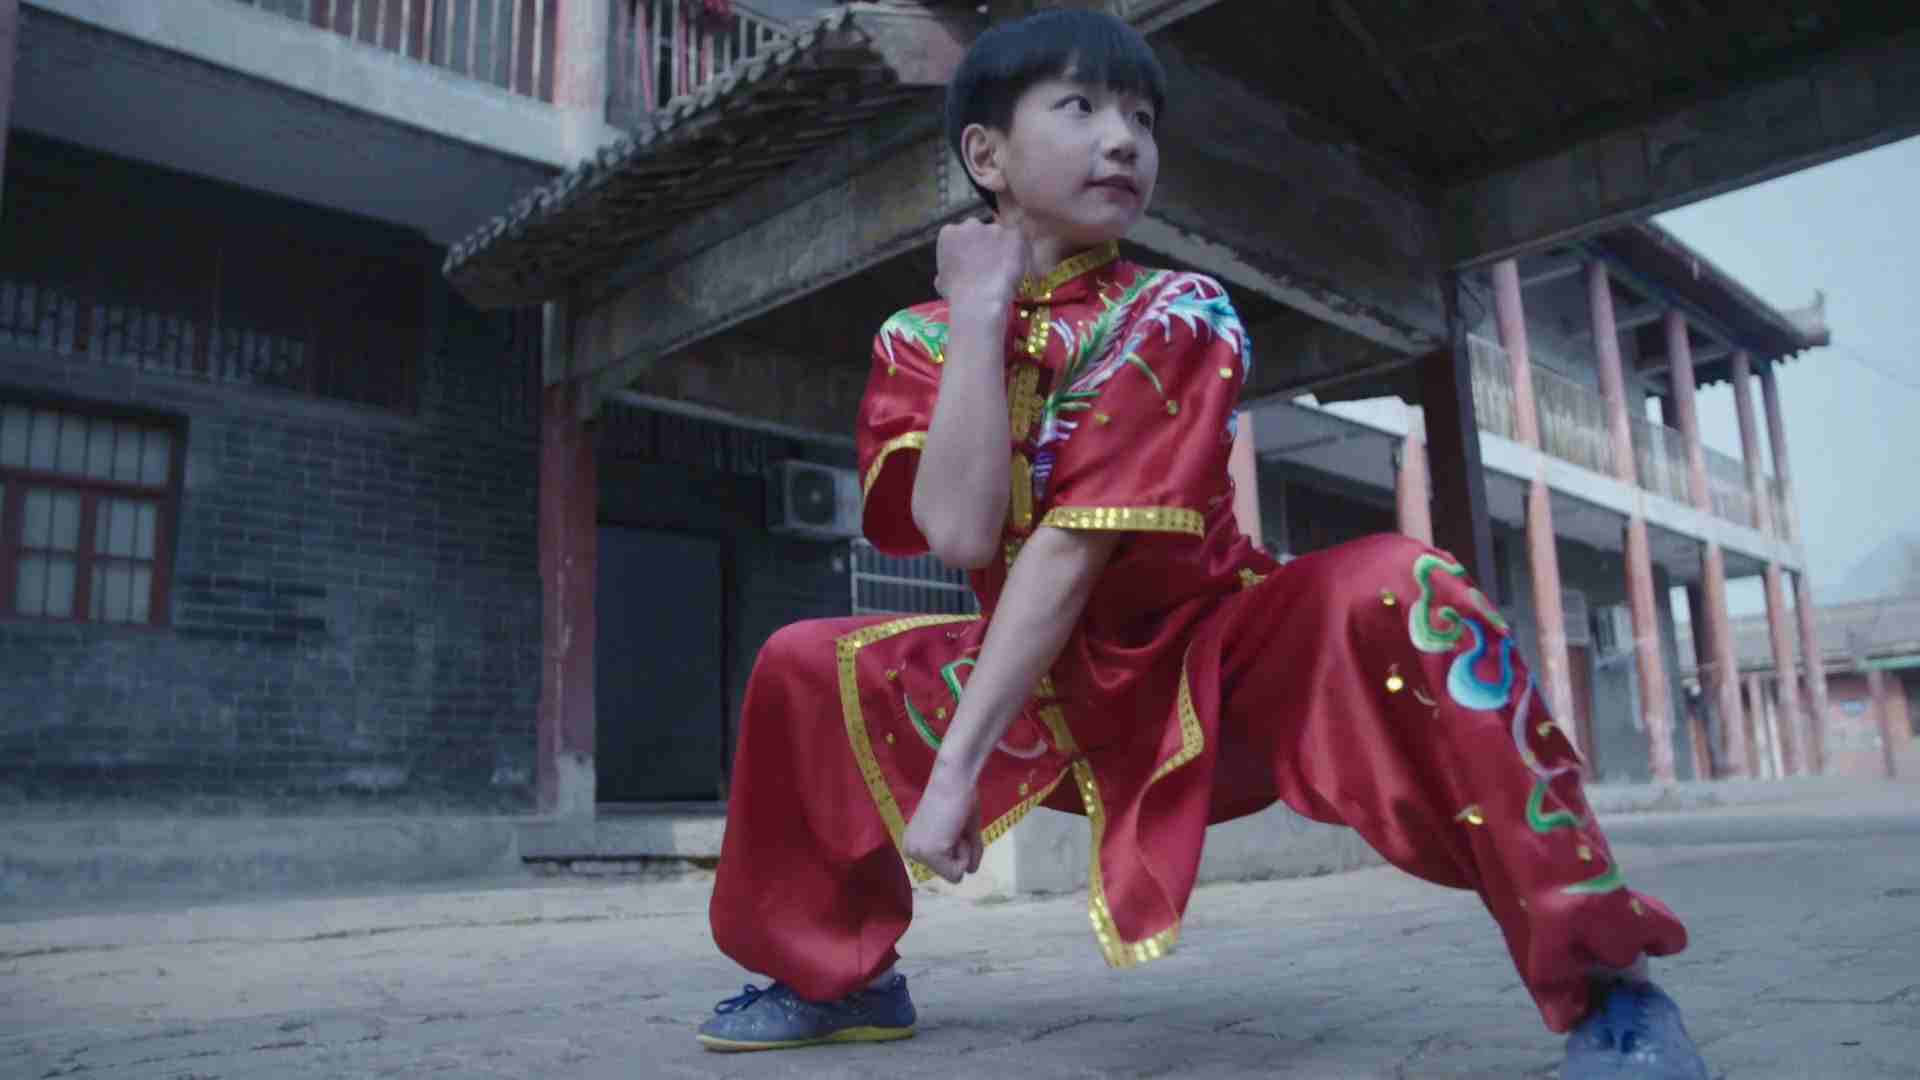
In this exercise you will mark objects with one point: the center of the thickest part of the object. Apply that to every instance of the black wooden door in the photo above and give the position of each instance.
(658, 678)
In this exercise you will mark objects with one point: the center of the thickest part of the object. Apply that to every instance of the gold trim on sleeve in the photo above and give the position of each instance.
(847, 651)
(912, 440)
(1128, 519)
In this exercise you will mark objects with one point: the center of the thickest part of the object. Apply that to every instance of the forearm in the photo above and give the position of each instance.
(1045, 594)
(960, 488)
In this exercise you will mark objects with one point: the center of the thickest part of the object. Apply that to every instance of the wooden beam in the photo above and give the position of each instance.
(1146, 16)
(1462, 522)
(1215, 208)
(891, 206)
(1843, 105)
(1557, 272)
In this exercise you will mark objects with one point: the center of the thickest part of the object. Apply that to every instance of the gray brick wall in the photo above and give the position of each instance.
(355, 608)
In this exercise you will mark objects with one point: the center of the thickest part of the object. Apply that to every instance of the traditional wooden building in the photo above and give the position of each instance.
(326, 478)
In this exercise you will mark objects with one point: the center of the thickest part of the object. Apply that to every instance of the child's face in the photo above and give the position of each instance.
(1080, 160)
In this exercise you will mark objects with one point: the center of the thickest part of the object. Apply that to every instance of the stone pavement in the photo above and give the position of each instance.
(1805, 963)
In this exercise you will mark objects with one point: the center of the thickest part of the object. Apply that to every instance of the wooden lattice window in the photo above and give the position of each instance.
(87, 505)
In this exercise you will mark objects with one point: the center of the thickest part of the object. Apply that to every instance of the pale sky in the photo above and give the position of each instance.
(1852, 411)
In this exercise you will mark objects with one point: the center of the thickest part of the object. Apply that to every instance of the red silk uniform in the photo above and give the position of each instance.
(1369, 685)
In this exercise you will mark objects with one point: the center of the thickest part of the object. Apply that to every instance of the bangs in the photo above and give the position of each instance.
(1083, 46)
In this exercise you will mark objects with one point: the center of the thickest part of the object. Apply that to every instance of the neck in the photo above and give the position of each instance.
(1045, 249)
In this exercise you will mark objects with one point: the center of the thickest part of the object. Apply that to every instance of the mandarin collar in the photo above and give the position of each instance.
(1074, 278)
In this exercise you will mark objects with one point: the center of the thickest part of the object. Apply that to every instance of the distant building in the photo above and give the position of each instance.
(1871, 654)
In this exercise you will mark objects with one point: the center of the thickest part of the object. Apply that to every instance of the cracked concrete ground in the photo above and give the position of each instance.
(1805, 962)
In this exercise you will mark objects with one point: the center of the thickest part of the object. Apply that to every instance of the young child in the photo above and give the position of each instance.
(1059, 424)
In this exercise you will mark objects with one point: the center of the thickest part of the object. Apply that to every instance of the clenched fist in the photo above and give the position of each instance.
(980, 262)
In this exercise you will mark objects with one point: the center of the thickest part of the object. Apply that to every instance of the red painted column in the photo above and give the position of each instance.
(1718, 669)
(1412, 490)
(1543, 557)
(1656, 700)
(568, 569)
(1814, 666)
(1787, 685)
(1243, 467)
(9, 46)
(1880, 688)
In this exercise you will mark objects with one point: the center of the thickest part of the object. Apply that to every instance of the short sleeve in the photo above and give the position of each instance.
(892, 430)
(1149, 453)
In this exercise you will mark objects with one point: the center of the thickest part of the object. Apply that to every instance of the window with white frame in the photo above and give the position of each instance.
(86, 505)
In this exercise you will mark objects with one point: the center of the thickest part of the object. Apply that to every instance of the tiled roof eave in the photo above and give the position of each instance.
(697, 152)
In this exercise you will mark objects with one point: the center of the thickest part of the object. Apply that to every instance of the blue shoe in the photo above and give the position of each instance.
(1635, 1031)
(774, 1019)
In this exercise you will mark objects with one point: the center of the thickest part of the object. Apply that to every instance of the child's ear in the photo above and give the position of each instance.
(980, 149)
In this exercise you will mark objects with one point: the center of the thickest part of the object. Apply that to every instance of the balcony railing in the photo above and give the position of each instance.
(1727, 488)
(506, 43)
(1660, 459)
(1574, 428)
(657, 50)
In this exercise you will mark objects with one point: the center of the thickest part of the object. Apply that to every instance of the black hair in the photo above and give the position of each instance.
(1011, 57)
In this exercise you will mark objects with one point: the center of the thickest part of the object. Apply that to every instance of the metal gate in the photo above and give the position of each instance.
(921, 585)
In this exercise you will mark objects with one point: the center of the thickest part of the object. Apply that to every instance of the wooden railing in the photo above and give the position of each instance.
(506, 43)
(657, 50)
(1573, 428)
(660, 50)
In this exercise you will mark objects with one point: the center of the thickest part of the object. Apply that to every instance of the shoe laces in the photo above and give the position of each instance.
(745, 998)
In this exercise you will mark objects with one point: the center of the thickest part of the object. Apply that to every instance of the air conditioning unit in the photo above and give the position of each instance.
(817, 501)
(1613, 630)
(1573, 608)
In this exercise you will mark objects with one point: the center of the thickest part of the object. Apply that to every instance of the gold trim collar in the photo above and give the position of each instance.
(1093, 259)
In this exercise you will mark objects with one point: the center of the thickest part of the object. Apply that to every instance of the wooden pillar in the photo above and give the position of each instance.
(568, 506)
(9, 47)
(1775, 591)
(1543, 557)
(1712, 625)
(1412, 491)
(1243, 468)
(1815, 663)
(1703, 750)
(1656, 700)
(1880, 690)
(1461, 523)
(1812, 663)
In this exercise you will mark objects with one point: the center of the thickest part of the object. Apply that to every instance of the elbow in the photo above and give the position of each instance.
(963, 549)
(955, 543)
(968, 554)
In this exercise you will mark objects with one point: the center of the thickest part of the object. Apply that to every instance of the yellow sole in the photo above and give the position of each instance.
(844, 1035)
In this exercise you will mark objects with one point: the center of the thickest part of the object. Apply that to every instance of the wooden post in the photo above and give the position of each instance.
(1812, 663)
(1543, 557)
(1718, 669)
(1461, 523)
(1656, 701)
(1412, 495)
(565, 775)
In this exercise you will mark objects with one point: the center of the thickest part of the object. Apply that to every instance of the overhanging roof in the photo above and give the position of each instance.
(1656, 260)
(755, 120)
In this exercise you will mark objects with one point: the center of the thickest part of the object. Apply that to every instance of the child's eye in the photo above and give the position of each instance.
(1079, 101)
(1145, 118)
